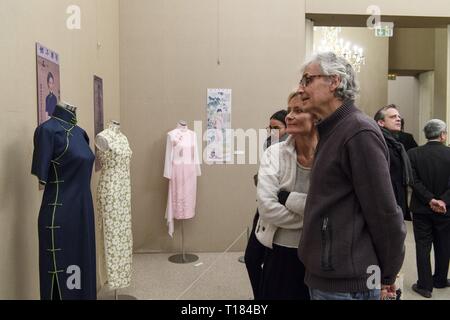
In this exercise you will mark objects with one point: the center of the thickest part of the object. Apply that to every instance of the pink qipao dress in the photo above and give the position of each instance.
(182, 167)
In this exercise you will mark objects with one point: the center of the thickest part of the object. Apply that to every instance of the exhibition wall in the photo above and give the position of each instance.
(412, 49)
(405, 93)
(441, 82)
(169, 52)
(22, 24)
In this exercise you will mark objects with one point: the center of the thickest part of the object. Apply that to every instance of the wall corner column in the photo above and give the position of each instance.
(309, 38)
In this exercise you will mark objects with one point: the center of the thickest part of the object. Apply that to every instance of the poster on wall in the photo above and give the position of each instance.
(218, 144)
(48, 82)
(98, 114)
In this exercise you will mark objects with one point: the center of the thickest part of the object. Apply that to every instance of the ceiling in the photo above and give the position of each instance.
(407, 73)
(321, 20)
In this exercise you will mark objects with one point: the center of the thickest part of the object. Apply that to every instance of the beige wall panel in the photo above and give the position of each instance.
(440, 74)
(426, 97)
(412, 49)
(169, 52)
(405, 93)
(22, 23)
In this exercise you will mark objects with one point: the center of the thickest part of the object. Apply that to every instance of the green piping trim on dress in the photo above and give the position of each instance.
(73, 121)
(54, 272)
(65, 150)
(56, 182)
(53, 282)
(52, 228)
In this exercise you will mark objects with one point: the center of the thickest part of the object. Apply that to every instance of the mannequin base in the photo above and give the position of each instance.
(125, 297)
(186, 258)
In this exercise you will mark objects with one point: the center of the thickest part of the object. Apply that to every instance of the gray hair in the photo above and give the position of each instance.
(332, 64)
(434, 128)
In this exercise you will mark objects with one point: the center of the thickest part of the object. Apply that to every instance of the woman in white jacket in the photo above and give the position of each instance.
(283, 183)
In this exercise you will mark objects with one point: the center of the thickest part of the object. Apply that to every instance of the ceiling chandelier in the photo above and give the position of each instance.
(331, 42)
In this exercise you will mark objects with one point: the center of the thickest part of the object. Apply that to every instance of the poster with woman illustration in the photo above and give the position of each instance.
(48, 82)
(218, 144)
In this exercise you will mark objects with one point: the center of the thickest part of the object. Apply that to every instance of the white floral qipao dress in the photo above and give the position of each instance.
(114, 207)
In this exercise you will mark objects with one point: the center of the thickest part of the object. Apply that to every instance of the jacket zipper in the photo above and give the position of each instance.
(326, 246)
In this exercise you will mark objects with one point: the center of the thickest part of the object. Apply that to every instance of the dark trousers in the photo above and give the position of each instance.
(283, 275)
(254, 258)
(432, 229)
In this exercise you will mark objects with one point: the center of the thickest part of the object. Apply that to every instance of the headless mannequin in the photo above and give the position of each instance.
(101, 142)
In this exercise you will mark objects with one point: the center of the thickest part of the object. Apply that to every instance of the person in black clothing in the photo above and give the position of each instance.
(389, 120)
(255, 251)
(406, 138)
(429, 203)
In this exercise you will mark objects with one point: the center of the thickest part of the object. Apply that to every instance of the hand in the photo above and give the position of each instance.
(388, 292)
(283, 196)
(442, 206)
(438, 206)
(435, 206)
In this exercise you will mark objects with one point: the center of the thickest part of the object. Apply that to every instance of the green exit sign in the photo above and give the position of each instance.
(385, 29)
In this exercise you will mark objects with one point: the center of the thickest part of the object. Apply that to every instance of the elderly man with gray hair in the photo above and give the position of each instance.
(353, 231)
(429, 204)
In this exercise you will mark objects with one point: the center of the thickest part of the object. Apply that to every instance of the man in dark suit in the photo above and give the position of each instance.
(429, 203)
(389, 120)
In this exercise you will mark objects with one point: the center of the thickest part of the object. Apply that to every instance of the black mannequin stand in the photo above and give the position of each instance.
(242, 258)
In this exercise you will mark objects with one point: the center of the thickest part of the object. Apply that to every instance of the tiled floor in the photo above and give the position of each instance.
(220, 276)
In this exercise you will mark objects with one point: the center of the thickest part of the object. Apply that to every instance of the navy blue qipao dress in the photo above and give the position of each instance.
(63, 162)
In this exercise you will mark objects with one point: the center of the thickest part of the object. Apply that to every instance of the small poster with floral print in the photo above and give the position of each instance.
(218, 131)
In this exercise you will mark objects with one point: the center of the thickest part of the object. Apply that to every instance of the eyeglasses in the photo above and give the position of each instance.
(307, 79)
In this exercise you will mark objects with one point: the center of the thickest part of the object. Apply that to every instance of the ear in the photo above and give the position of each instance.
(334, 83)
(380, 123)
